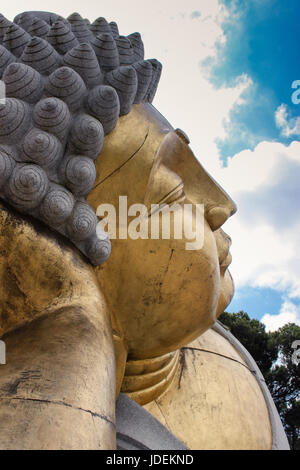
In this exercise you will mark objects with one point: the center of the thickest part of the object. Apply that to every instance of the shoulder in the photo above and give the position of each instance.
(219, 399)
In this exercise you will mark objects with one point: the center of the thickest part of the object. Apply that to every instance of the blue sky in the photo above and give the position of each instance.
(256, 301)
(228, 67)
(262, 41)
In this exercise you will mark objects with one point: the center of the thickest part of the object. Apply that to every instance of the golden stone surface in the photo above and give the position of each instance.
(57, 388)
(214, 401)
(145, 160)
(59, 315)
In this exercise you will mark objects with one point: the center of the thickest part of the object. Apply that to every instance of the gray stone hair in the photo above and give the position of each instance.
(67, 82)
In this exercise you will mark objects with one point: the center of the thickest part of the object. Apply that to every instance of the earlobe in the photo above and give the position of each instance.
(39, 270)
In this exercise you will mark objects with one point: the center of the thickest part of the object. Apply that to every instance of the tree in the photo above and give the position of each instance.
(273, 353)
(252, 334)
(283, 380)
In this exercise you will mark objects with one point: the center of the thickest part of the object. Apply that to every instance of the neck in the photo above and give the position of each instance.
(147, 379)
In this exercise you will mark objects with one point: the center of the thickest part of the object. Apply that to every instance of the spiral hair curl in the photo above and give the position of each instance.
(67, 82)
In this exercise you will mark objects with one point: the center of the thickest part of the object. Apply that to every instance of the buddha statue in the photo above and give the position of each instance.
(97, 330)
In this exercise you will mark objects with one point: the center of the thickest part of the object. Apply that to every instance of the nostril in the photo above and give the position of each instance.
(217, 216)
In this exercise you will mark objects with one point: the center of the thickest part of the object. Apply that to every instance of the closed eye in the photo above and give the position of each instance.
(176, 195)
(164, 187)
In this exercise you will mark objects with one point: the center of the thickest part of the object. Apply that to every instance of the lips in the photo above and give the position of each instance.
(227, 261)
(223, 242)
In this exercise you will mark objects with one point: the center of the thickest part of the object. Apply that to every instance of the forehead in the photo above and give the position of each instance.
(143, 125)
(127, 157)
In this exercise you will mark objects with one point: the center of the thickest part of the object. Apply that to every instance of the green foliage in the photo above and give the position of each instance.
(273, 354)
(253, 336)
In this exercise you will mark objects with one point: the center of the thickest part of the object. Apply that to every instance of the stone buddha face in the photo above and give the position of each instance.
(58, 167)
(77, 131)
(161, 295)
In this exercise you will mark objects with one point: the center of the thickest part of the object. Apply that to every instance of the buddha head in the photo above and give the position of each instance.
(78, 132)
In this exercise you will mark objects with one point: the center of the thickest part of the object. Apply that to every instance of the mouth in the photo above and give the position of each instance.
(226, 263)
(223, 242)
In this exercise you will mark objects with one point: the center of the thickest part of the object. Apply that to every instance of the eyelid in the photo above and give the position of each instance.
(164, 186)
(176, 195)
(183, 136)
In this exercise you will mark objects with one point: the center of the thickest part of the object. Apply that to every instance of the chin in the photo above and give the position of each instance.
(226, 293)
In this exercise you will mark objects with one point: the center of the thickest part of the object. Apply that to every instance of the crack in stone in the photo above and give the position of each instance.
(123, 164)
(219, 354)
(183, 366)
(61, 403)
(160, 409)
(164, 275)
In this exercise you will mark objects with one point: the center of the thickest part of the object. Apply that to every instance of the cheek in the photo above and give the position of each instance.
(163, 294)
(178, 300)
(196, 285)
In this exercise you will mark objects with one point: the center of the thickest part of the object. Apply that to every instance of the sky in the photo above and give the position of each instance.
(229, 67)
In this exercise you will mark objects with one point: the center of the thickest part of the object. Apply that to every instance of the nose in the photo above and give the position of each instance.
(218, 215)
(218, 205)
(199, 187)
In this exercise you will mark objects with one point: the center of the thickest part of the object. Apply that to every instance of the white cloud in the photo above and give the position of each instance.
(289, 126)
(266, 231)
(289, 313)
